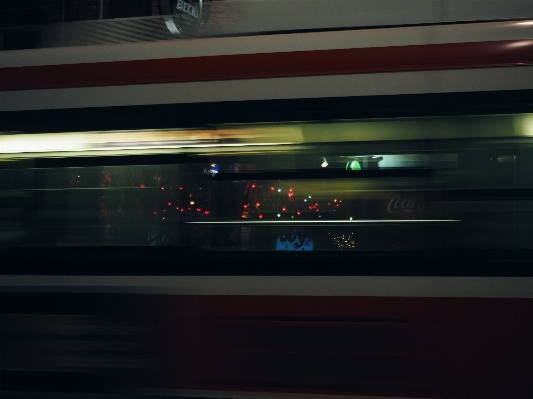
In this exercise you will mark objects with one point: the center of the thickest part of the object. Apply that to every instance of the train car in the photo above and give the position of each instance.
(254, 199)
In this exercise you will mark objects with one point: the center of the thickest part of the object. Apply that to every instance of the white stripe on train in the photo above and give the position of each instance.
(365, 286)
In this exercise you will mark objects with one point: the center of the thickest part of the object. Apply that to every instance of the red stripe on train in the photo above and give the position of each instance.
(408, 347)
(271, 65)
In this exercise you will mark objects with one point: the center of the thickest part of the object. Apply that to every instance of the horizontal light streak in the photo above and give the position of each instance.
(253, 222)
(118, 143)
(259, 137)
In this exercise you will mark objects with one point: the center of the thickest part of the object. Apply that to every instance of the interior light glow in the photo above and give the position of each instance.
(121, 142)
(527, 125)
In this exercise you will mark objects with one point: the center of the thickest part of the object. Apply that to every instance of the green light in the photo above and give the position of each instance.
(354, 165)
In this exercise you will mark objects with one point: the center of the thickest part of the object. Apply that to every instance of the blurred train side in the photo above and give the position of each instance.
(442, 321)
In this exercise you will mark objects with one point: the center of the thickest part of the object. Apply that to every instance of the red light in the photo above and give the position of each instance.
(188, 209)
(207, 212)
(164, 210)
(316, 204)
(254, 185)
(245, 206)
(257, 204)
(143, 186)
(155, 212)
(290, 189)
(260, 216)
(340, 200)
(272, 188)
(177, 207)
(283, 209)
(310, 206)
(169, 203)
(181, 187)
(243, 216)
(318, 210)
(198, 209)
(329, 203)
(183, 209)
(337, 205)
(162, 187)
(298, 213)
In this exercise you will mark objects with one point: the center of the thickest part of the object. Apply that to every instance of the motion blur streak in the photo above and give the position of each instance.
(300, 199)
(153, 141)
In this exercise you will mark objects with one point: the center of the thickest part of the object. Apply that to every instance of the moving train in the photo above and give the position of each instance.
(281, 199)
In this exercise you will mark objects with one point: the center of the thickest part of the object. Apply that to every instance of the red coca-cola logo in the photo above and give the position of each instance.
(399, 203)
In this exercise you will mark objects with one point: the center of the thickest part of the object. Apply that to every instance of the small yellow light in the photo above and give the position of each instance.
(192, 202)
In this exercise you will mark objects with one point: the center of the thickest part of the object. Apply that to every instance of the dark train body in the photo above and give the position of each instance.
(330, 207)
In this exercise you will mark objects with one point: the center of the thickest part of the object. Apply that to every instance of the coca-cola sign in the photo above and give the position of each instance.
(399, 203)
(404, 206)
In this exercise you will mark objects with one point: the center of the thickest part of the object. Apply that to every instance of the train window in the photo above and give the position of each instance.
(275, 187)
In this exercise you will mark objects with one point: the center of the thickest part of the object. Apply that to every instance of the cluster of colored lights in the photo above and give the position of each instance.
(345, 241)
(291, 193)
(182, 209)
(285, 208)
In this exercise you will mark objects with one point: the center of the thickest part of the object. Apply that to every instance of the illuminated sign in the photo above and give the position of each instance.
(294, 241)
